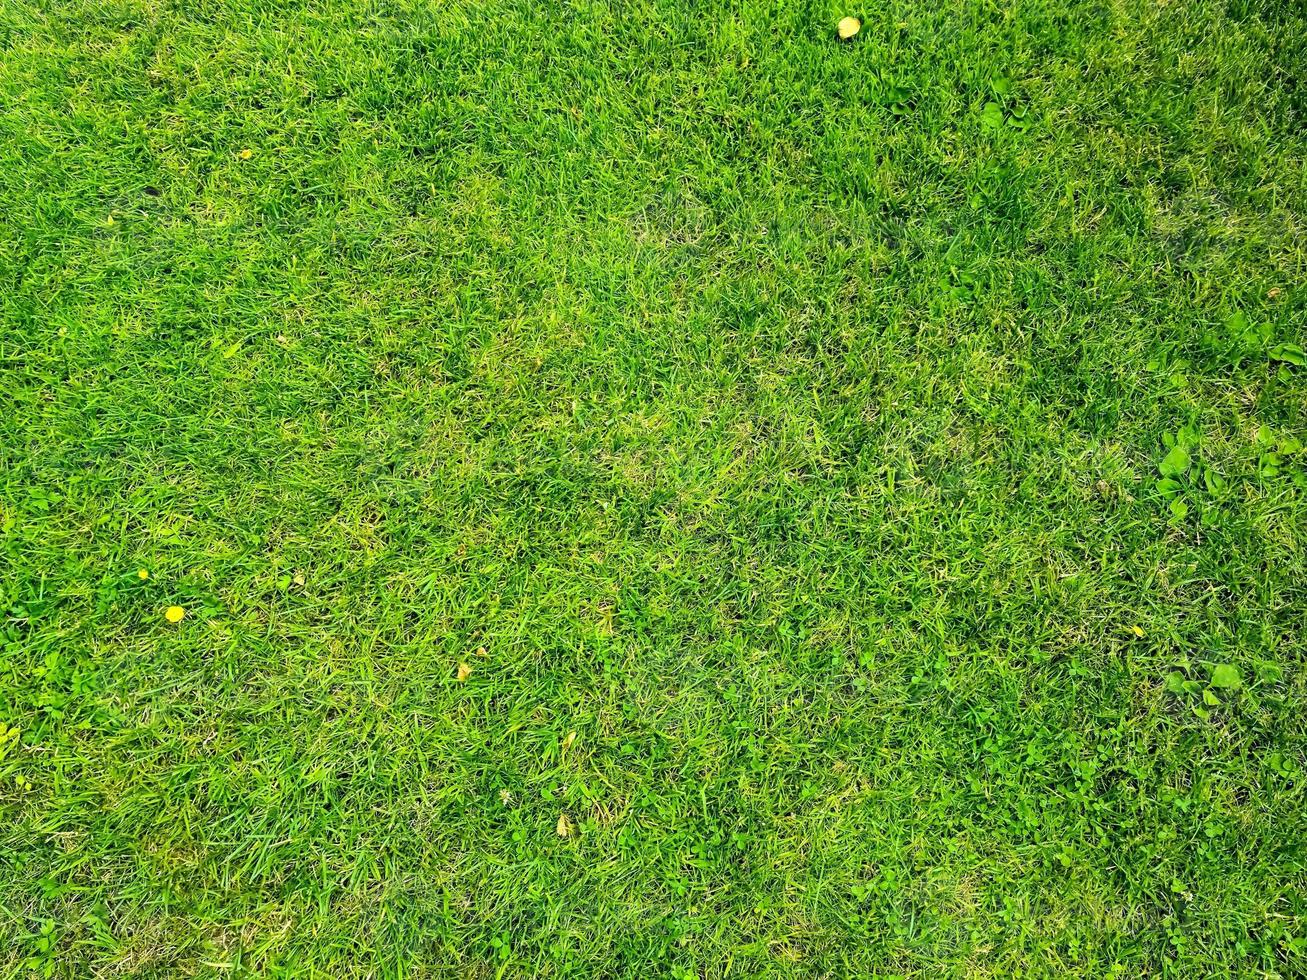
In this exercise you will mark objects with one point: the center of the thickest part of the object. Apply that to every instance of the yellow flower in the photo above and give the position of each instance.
(142, 574)
(464, 672)
(245, 154)
(174, 614)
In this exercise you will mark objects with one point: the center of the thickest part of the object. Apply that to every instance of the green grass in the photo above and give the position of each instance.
(794, 421)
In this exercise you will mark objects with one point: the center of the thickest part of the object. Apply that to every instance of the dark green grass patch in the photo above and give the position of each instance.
(864, 480)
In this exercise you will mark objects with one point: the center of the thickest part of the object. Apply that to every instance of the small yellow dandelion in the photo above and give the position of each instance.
(464, 672)
(142, 574)
(245, 154)
(174, 614)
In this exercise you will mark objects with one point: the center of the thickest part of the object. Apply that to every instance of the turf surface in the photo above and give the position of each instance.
(653, 490)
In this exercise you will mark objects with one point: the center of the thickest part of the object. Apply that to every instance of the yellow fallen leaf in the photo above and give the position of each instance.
(298, 579)
(174, 614)
(464, 672)
(1138, 631)
(564, 827)
(567, 742)
(848, 27)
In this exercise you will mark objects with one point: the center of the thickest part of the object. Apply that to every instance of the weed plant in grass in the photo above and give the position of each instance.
(652, 489)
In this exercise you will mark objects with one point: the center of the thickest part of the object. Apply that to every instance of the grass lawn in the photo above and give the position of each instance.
(653, 489)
